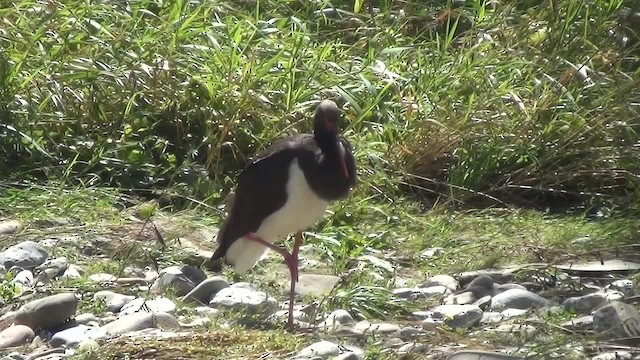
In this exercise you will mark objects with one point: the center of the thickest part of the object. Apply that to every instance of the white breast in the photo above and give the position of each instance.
(302, 209)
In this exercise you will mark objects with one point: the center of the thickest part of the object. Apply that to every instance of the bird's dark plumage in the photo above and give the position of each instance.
(262, 185)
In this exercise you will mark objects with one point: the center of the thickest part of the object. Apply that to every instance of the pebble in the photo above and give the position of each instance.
(139, 321)
(206, 290)
(624, 285)
(322, 349)
(336, 319)
(59, 264)
(113, 301)
(157, 305)
(24, 278)
(86, 318)
(10, 227)
(238, 298)
(182, 279)
(618, 355)
(455, 316)
(48, 312)
(617, 320)
(73, 272)
(316, 285)
(517, 299)
(366, 327)
(590, 302)
(462, 298)
(15, 335)
(442, 280)
(26, 255)
(72, 337)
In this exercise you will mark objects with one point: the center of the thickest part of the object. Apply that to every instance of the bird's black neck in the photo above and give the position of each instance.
(328, 143)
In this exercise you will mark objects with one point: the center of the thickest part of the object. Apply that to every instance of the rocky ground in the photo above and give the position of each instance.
(78, 292)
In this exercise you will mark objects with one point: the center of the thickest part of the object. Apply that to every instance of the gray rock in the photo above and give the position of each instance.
(517, 299)
(205, 291)
(182, 279)
(112, 300)
(366, 327)
(481, 355)
(59, 264)
(624, 285)
(580, 323)
(617, 320)
(618, 355)
(73, 272)
(205, 310)
(139, 321)
(336, 319)
(103, 278)
(442, 280)
(455, 316)
(157, 305)
(26, 255)
(322, 349)
(462, 298)
(498, 288)
(10, 227)
(86, 318)
(15, 335)
(377, 262)
(48, 312)
(72, 337)
(316, 285)
(481, 286)
(492, 317)
(236, 298)
(24, 278)
(483, 303)
(590, 302)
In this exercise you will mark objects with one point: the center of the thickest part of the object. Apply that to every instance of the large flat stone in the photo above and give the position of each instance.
(316, 285)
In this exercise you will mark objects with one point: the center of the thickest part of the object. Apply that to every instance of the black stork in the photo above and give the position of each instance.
(284, 190)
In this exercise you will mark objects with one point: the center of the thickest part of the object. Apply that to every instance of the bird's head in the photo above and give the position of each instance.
(325, 121)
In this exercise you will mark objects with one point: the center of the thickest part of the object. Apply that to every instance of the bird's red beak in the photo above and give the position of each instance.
(345, 172)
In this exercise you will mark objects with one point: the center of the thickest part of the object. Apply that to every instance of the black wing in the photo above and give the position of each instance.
(261, 191)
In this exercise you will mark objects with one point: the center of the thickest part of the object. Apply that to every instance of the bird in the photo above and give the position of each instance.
(285, 190)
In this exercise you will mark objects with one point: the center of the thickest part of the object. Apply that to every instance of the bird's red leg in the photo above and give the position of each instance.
(292, 263)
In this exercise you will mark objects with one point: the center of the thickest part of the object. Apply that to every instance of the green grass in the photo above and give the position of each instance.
(157, 94)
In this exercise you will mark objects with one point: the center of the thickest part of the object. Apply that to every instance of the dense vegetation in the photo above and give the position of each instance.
(463, 100)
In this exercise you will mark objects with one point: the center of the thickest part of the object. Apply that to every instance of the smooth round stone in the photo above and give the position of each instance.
(182, 279)
(48, 312)
(72, 337)
(26, 255)
(322, 348)
(336, 319)
(15, 335)
(24, 277)
(10, 226)
(206, 290)
(587, 303)
(365, 327)
(139, 321)
(114, 301)
(624, 285)
(73, 272)
(86, 318)
(241, 298)
(517, 299)
(455, 316)
(442, 280)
